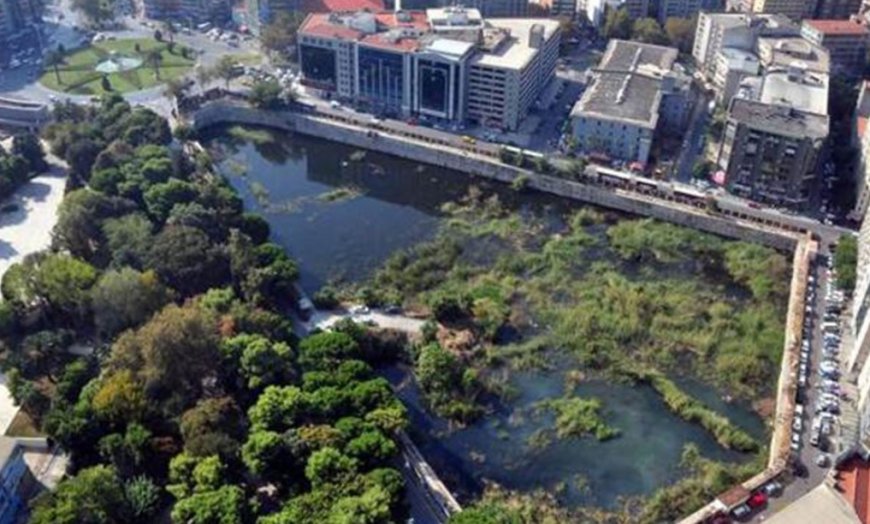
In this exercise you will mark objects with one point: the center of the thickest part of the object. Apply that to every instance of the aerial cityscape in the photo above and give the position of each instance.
(434, 261)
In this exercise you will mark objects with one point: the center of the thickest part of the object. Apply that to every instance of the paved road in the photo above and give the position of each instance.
(693, 143)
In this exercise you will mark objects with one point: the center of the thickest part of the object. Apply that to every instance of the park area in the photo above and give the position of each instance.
(127, 65)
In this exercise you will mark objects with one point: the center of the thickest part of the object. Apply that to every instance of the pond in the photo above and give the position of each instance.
(341, 212)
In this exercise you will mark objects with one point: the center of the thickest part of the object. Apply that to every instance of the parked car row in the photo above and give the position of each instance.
(757, 500)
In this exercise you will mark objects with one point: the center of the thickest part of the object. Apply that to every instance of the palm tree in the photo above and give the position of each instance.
(54, 59)
(154, 58)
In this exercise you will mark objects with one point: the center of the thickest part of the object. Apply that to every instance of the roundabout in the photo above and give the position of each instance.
(120, 66)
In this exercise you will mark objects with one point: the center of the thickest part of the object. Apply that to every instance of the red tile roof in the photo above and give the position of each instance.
(837, 27)
(319, 25)
(417, 20)
(333, 6)
(862, 125)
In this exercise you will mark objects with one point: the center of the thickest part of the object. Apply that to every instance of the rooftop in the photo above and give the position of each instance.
(7, 448)
(628, 83)
(778, 119)
(822, 504)
(782, 51)
(385, 29)
(837, 27)
(795, 87)
(515, 50)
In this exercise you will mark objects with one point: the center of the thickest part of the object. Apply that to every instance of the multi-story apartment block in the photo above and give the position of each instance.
(732, 66)
(771, 145)
(716, 31)
(487, 8)
(447, 63)
(563, 8)
(861, 141)
(636, 90)
(845, 40)
(784, 51)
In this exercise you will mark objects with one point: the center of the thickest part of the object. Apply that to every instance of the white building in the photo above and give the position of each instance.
(732, 66)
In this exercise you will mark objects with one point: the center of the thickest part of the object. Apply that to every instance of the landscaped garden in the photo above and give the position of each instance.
(117, 65)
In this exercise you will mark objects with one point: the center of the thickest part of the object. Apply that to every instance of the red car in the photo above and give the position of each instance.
(757, 500)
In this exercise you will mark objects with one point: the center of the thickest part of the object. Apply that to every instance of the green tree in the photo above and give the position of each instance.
(79, 227)
(846, 262)
(326, 350)
(125, 298)
(161, 198)
(213, 427)
(185, 258)
(266, 94)
(93, 496)
(143, 497)
(280, 34)
(95, 11)
(172, 354)
(175, 90)
(649, 31)
(681, 32)
(80, 156)
(329, 466)
(54, 59)
(128, 239)
(266, 363)
(278, 408)
(617, 24)
(54, 284)
(225, 505)
(27, 146)
(225, 69)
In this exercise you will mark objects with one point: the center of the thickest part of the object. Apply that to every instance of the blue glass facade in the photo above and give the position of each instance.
(381, 78)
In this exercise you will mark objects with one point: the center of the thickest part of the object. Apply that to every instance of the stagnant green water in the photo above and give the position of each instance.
(342, 212)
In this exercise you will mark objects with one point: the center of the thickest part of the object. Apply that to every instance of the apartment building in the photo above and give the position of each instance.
(784, 51)
(861, 141)
(859, 325)
(448, 63)
(563, 8)
(487, 8)
(845, 40)
(732, 66)
(772, 143)
(716, 31)
(636, 90)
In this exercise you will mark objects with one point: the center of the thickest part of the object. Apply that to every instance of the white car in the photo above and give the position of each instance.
(798, 424)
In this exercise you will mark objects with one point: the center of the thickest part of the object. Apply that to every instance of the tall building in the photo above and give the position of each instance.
(772, 144)
(859, 325)
(845, 40)
(487, 8)
(259, 12)
(189, 12)
(447, 63)
(636, 90)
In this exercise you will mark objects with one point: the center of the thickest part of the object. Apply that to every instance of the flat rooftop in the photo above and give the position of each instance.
(515, 51)
(779, 119)
(803, 90)
(822, 504)
(837, 27)
(625, 55)
(785, 50)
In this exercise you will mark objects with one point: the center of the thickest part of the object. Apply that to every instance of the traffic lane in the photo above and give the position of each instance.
(419, 506)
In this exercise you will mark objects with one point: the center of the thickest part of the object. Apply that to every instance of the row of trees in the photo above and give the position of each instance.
(677, 32)
(198, 399)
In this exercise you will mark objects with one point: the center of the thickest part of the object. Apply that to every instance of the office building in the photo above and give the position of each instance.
(260, 12)
(636, 90)
(772, 143)
(845, 40)
(716, 31)
(189, 12)
(487, 8)
(447, 63)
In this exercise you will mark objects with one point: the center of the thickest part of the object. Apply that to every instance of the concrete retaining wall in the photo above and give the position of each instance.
(224, 113)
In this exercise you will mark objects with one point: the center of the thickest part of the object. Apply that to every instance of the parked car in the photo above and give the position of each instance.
(741, 511)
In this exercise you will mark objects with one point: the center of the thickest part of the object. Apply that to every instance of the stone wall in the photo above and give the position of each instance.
(223, 113)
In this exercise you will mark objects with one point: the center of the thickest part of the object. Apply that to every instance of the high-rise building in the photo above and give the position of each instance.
(846, 41)
(837, 9)
(487, 8)
(447, 63)
(861, 141)
(189, 12)
(685, 8)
